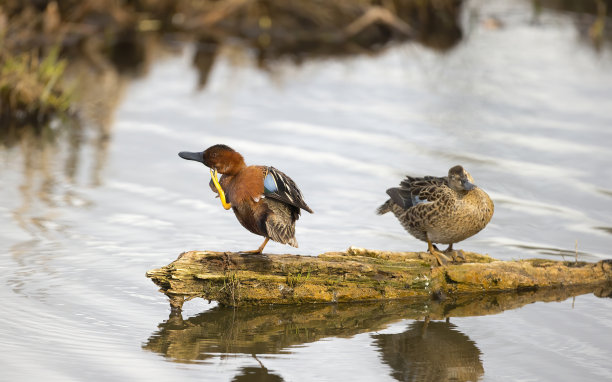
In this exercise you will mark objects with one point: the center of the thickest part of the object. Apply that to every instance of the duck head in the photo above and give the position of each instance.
(222, 158)
(460, 180)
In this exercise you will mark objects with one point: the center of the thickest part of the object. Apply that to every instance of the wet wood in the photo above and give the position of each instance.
(358, 274)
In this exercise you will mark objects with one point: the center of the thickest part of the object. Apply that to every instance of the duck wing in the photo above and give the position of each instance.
(415, 191)
(279, 186)
(280, 225)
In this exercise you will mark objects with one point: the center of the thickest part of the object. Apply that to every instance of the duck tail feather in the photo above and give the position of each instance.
(385, 207)
(293, 242)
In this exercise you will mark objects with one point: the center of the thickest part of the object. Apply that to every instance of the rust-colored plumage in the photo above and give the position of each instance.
(442, 210)
(265, 201)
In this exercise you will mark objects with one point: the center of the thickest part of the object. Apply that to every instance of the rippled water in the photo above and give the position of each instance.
(525, 108)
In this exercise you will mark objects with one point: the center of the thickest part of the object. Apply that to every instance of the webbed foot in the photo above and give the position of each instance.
(258, 250)
(253, 252)
(440, 257)
(455, 253)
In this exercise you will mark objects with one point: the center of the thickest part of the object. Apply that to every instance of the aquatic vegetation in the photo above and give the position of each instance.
(111, 35)
(30, 87)
(117, 36)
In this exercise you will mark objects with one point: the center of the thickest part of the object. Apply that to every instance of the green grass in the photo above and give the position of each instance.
(30, 86)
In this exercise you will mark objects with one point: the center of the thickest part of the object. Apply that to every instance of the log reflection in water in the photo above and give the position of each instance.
(275, 329)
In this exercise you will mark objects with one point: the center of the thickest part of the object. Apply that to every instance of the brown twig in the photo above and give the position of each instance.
(374, 15)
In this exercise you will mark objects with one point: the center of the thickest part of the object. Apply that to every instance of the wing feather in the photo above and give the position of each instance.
(425, 190)
(401, 197)
(280, 224)
(279, 186)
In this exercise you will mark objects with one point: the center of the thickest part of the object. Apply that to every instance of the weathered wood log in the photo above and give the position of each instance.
(357, 274)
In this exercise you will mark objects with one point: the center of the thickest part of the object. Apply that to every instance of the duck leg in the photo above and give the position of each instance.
(425, 325)
(224, 203)
(455, 253)
(260, 249)
(442, 260)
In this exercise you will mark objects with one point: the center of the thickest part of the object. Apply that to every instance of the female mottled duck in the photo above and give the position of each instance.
(442, 210)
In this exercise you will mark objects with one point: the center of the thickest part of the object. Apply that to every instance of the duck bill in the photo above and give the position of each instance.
(198, 157)
(467, 185)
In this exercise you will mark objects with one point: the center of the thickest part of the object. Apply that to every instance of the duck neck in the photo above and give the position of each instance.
(234, 163)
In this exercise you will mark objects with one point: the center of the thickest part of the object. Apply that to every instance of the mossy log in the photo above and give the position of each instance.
(235, 279)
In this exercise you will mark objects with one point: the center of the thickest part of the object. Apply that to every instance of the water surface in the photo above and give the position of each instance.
(525, 108)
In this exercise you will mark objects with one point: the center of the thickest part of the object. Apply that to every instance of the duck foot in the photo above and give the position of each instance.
(253, 252)
(440, 257)
(455, 253)
(258, 250)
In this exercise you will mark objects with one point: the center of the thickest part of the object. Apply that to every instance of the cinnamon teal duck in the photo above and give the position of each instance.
(443, 210)
(265, 200)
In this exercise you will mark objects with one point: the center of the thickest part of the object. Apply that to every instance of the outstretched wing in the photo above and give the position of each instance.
(279, 186)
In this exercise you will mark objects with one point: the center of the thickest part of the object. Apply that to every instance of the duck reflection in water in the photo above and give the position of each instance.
(256, 374)
(431, 351)
(426, 351)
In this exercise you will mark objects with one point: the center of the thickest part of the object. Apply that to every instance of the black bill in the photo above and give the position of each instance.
(198, 157)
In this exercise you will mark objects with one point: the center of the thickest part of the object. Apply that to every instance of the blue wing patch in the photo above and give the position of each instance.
(270, 184)
(279, 186)
(416, 200)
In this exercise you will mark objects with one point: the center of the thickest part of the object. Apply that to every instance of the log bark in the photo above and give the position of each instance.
(358, 274)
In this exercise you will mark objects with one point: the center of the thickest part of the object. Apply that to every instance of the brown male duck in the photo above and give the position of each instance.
(266, 201)
(443, 210)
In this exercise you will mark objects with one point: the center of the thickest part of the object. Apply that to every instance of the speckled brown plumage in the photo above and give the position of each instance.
(442, 210)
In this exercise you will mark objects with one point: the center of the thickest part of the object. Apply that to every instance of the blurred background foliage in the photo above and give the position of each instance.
(64, 58)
